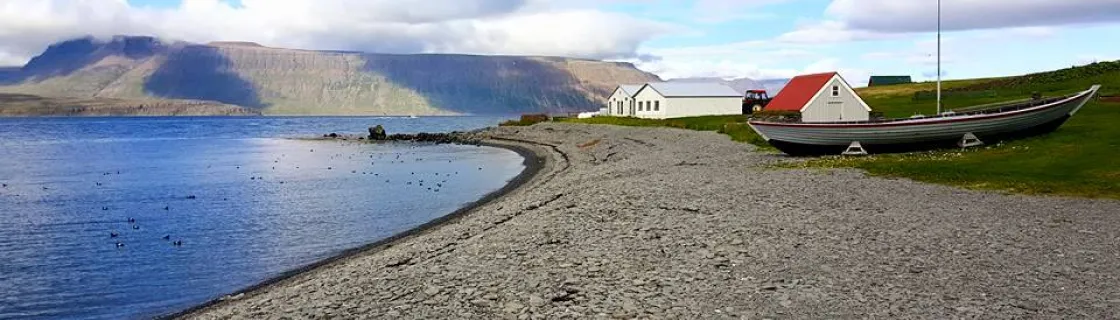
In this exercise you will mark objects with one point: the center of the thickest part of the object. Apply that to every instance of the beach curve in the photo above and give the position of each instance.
(669, 223)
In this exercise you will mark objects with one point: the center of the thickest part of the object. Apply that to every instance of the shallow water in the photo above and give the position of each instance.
(246, 202)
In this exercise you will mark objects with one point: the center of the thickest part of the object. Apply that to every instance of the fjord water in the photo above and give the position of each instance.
(247, 202)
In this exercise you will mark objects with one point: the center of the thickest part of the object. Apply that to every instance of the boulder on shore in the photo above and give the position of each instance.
(377, 133)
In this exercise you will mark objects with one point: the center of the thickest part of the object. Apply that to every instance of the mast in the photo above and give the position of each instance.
(938, 57)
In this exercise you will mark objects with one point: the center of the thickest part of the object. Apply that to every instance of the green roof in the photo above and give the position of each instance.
(888, 80)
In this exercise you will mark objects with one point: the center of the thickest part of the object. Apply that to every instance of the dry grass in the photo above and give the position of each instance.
(589, 144)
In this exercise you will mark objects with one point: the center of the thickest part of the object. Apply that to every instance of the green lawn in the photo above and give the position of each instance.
(1082, 158)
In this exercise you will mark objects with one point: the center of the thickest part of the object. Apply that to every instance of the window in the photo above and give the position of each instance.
(835, 91)
(657, 106)
(641, 106)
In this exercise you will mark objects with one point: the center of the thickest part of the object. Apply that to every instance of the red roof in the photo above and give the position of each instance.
(799, 91)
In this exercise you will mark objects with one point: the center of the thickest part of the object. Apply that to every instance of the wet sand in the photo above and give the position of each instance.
(667, 223)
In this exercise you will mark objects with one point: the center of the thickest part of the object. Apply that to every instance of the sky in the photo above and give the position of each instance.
(760, 39)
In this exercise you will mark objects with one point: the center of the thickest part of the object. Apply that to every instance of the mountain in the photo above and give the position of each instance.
(22, 105)
(291, 81)
(772, 86)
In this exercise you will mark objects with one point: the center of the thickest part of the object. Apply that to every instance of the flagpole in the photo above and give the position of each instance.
(938, 57)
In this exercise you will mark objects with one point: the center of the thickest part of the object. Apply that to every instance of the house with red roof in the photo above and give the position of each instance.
(821, 97)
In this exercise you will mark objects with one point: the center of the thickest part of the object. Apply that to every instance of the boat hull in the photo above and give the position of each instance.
(919, 134)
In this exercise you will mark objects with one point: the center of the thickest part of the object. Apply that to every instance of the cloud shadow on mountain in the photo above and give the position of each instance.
(202, 73)
(64, 58)
(483, 84)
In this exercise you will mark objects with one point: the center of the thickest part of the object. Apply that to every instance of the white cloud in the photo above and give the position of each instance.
(673, 68)
(855, 76)
(860, 20)
(539, 27)
(830, 31)
(753, 59)
(921, 15)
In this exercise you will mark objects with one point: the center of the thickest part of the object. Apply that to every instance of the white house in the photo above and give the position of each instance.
(621, 101)
(660, 100)
(822, 97)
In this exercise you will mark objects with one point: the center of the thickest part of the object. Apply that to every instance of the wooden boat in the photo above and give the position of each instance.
(895, 135)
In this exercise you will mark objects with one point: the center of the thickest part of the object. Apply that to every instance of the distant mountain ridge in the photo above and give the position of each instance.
(772, 86)
(21, 105)
(290, 81)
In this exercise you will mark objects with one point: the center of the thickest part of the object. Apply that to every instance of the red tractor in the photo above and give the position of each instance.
(755, 100)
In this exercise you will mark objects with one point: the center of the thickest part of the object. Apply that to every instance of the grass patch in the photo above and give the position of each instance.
(525, 120)
(589, 144)
(734, 126)
(897, 101)
(1082, 158)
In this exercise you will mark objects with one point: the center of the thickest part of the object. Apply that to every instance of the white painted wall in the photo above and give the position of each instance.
(619, 100)
(678, 107)
(644, 102)
(704, 106)
(845, 107)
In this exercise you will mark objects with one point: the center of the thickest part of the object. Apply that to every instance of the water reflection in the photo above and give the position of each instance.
(245, 209)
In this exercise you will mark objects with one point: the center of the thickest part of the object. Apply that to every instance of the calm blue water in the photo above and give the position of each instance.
(246, 202)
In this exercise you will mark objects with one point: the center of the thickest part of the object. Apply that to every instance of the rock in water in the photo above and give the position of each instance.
(377, 133)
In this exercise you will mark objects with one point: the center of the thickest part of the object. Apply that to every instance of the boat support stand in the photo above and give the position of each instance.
(969, 140)
(854, 149)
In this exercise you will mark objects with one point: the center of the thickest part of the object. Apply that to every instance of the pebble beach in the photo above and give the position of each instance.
(660, 223)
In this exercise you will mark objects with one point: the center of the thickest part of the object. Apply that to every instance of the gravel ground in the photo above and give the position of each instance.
(665, 223)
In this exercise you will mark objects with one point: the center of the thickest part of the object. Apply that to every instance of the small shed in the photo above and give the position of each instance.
(822, 97)
(661, 100)
(621, 101)
(888, 80)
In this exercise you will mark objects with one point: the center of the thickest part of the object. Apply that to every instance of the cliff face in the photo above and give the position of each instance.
(285, 81)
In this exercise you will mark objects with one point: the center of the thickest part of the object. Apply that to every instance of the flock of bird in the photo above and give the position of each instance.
(435, 184)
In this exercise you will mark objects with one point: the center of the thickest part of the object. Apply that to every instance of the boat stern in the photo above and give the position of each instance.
(1092, 93)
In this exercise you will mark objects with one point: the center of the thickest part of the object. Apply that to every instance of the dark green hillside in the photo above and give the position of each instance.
(899, 100)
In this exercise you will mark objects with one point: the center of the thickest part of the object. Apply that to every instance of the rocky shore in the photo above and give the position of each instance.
(379, 134)
(665, 223)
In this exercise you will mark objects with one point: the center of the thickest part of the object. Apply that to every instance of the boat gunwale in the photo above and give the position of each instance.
(932, 120)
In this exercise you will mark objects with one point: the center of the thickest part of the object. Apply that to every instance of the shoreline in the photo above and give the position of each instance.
(628, 222)
(533, 161)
